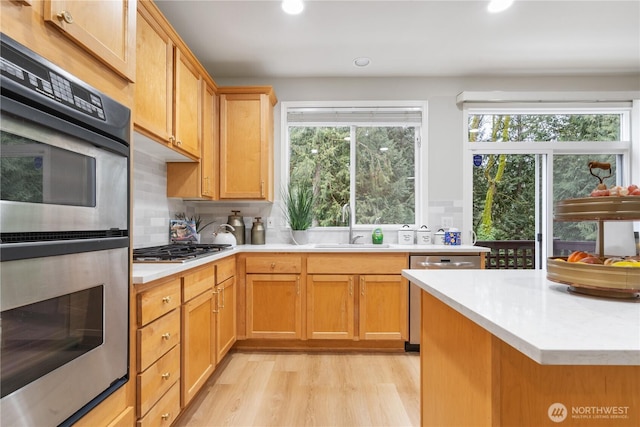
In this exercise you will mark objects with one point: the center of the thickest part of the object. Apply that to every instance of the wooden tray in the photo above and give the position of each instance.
(618, 281)
(607, 208)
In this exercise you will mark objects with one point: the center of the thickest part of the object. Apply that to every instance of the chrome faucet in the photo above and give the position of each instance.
(346, 213)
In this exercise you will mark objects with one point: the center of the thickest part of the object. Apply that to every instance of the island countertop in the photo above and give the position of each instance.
(538, 317)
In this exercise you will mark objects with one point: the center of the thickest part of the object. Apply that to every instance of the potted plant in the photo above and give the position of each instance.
(298, 210)
(196, 220)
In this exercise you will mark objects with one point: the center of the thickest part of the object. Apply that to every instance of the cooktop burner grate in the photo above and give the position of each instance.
(177, 252)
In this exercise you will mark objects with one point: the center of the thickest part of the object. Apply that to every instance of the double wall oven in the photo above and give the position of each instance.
(64, 249)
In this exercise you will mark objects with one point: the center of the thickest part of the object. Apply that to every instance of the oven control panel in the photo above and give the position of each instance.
(40, 78)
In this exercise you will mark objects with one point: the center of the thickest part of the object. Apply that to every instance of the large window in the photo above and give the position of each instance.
(523, 159)
(363, 156)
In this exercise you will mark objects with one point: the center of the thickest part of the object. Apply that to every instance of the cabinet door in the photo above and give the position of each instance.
(210, 158)
(153, 112)
(383, 307)
(330, 304)
(198, 357)
(105, 28)
(186, 106)
(246, 129)
(274, 306)
(226, 307)
(199, 180)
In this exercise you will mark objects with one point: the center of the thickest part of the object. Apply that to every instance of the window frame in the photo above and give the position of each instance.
(628, 147)
(420, 153)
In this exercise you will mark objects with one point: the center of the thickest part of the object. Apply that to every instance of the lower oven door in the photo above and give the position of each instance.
(64, 334)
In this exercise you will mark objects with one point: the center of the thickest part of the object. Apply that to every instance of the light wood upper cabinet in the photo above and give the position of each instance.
(106, 28)
(167, 94)
(153, 112)
(186, 108)
(199, 180)
(246, 142)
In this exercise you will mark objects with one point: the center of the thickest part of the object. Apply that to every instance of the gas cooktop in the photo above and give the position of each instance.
(176, 252)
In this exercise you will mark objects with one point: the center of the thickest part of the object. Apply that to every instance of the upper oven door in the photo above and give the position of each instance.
(57, 176)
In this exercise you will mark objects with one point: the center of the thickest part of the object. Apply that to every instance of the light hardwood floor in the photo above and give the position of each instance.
(310, 389)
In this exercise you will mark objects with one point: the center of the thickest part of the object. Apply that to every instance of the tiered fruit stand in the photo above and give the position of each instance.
(597, 279)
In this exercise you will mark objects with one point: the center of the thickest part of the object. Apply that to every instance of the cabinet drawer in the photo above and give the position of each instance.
(274, 264)
(165, 412)
(158, 301)
(225, 269)
(155, 381)
(356, 264)
(197, 281)
(157, 338)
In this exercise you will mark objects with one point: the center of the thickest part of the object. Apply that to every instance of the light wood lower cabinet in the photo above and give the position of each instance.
(380, 301)
(383, 307)
(226, 317)
(165, 412)
(274, 306)
(198, 343)
(330, 306)
(158, 352)
(346, 301)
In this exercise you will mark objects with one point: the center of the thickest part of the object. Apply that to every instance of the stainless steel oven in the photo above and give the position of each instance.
(64, 242)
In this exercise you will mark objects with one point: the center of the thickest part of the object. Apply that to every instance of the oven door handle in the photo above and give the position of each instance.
(28, 250)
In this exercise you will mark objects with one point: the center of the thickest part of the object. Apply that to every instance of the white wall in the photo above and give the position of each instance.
(444, 173)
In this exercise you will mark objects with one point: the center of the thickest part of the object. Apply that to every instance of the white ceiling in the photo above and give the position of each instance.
(410, 38)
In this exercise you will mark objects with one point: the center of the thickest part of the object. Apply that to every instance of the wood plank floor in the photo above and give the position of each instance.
(310, 389)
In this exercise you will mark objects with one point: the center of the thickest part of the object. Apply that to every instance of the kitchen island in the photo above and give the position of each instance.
(510, 348)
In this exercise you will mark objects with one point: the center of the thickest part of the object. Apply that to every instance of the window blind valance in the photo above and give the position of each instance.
(348, 115)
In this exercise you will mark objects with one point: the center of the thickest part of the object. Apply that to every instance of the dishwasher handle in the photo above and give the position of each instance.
(455, 264)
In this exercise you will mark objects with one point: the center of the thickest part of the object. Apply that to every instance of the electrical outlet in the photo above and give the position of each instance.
(269, 222)
(447, 222)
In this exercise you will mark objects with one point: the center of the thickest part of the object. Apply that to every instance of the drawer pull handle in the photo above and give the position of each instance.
(166, 416)
(166, 300)
(166, 336)
(65, 16)
(166, 375)
(172, 139)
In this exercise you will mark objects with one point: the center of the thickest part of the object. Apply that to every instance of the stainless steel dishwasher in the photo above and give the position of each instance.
(432, 262)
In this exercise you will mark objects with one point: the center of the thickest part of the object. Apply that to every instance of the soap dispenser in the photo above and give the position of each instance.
(376, 235)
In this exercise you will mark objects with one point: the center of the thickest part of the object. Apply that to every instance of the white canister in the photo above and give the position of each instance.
(439, 237)
(405, 235)
(423, 235)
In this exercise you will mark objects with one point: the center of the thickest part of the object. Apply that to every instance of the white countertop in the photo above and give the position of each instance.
(148, 272)
(538, 317)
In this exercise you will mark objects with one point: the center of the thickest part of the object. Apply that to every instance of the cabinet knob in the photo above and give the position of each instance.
(166, 300)
(166, 336)
(273, 265)
(179, 143)
(166, 375)
(166, 416)
(65, 16)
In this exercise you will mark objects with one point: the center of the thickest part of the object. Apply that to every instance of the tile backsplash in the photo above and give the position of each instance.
(152, 211)
(151, 207)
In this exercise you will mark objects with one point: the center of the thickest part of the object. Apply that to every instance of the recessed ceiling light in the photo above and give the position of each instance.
(292, 7)
(361, 62)
(496, 6)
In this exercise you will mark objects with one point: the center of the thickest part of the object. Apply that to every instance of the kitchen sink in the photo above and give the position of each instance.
(350, 245)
